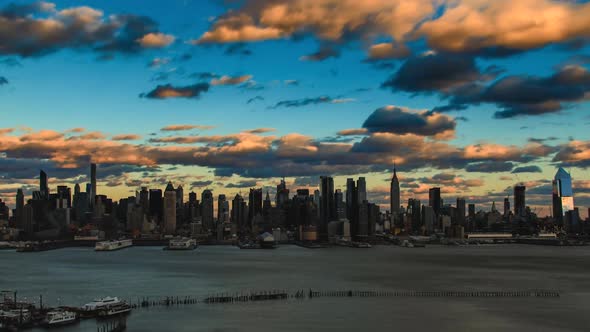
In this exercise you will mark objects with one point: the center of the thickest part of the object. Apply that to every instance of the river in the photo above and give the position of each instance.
(74, 276)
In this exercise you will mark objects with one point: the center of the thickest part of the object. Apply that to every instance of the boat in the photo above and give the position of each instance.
(60, 317)
(114, 310)
(112, 245)
(37, 246)
(182, 244)
(267, 241)
(102, 303)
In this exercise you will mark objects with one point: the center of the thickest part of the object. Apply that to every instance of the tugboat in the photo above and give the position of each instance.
(60, 317)
(182, 244)
(113, 245)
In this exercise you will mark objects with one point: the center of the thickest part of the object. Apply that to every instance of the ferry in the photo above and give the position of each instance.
(61, 317)
(102, 303)
(113, 245)
(114, 310)
(182, 244)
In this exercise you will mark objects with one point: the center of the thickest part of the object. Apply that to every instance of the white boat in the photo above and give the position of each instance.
(102, 303)
(182, 244)
(119, 309)
(60, 317)
(113, 245)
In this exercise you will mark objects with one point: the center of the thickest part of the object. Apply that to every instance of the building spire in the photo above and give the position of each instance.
(394, 172)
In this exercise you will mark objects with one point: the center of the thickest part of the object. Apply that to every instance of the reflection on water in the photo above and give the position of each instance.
(75, 276)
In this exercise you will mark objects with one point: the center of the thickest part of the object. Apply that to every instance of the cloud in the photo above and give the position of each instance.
(231, 80)
(574, 153)
(527, 169)
(329, 21)
(490, 167)
(503, 26)
(437, 73)
(38, 29)
(201, 184)
(497, 28)
(126, 137)
(253, 99)
(353, 132)
(388, 51)
(181, 127)
(399, 120)
(240, 49)
(242, 184)
(519, 96)
(155, 40)
(260, 130)
(10, 62)
(311, 101)
(157, 62)
(204, 75)
(259, 155)
(169, 91)
(4, 131)
(322, 54)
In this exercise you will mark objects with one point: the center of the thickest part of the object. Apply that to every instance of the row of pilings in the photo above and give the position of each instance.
(475, 294)
(169, 301)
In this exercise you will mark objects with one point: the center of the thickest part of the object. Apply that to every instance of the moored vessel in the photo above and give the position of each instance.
(60, 317)
(112, 245)
(182, 244)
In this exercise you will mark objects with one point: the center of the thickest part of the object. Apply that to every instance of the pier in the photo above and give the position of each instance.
(19, 315)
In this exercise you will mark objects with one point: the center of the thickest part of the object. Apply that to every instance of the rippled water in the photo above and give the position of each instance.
(75, 276)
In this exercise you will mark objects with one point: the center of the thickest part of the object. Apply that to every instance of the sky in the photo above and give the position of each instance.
(471, 96)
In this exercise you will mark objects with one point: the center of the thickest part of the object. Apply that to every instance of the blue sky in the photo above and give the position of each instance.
(65, 85)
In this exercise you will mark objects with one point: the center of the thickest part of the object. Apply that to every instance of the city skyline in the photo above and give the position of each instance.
(191, 98)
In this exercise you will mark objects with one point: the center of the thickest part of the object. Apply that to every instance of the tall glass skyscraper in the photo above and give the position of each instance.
(563, 195)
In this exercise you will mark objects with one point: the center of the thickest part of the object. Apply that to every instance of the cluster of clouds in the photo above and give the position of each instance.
(39, 28)
(457, 33)
(484, 28)
(408, 137)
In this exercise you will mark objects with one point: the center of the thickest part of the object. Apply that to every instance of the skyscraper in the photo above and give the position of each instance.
(156, 204)
(506, 207)
(237, 211)
(254, 204)
(361, 187)
(563, 195)
(170, 209)
(20, 204)
(93, 192)
(282, 194)
(326, 205)
(519, 201)
(394, 194)
(351, 198)
(222, 209)
(179, 196)
(434, 199)
(460, 212)
(43, 187)
(266, 205)
(207, 209)
(340, 206)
